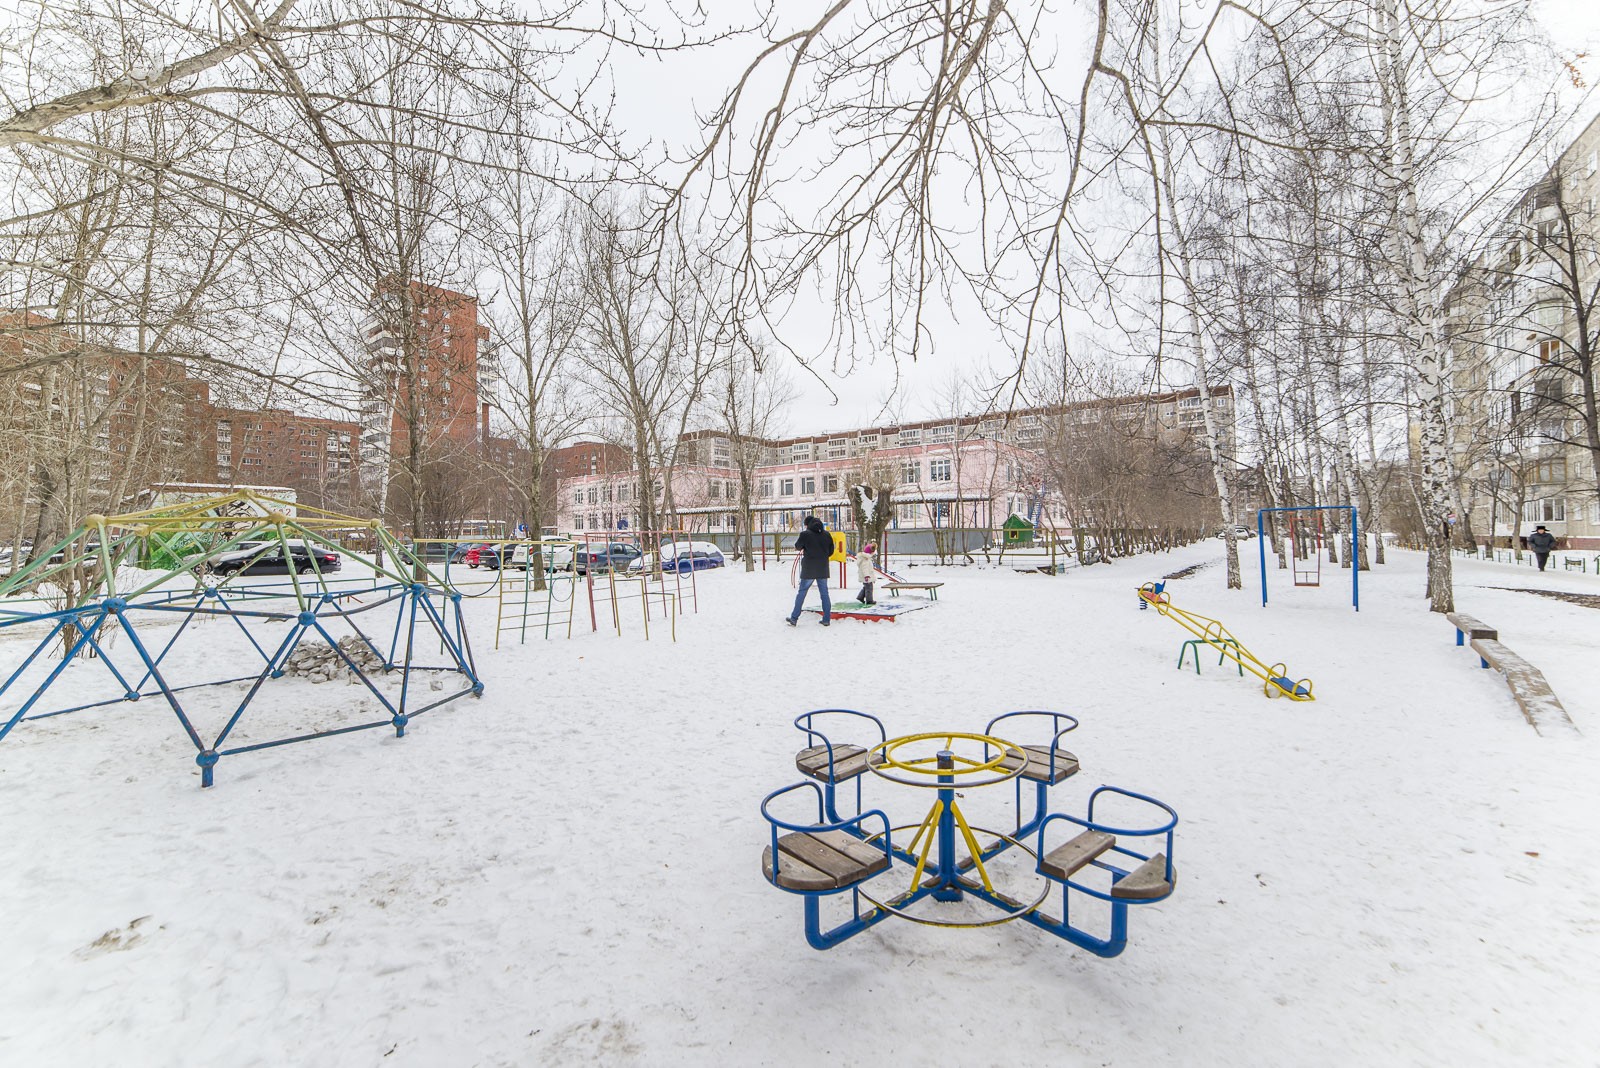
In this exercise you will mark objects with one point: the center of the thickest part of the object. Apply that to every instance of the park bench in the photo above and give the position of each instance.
(822, 860)
(896, 586)
(1539, 704)
(1470, 627)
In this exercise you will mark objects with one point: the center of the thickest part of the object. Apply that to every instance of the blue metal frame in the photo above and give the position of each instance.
(1041, 789)
(947, 879)
(815, 935)
(1355, 545)
(414, 603)
(806, 723)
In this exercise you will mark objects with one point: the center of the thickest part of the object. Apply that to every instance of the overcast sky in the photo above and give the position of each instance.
(660, 98)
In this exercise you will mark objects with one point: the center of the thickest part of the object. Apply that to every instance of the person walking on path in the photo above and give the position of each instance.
(864, 563)
(1541, 541)
(815, 547)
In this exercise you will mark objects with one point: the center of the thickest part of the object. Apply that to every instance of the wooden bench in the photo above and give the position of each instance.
(822, 860)
(1532, 692)
(848, 762)
(1470, 627)
(1036, 765)
(932, 588)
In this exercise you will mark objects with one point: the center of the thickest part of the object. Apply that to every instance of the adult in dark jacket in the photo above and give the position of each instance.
(814, 546)
(1541, 541)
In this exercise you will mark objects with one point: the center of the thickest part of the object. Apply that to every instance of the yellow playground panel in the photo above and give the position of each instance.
(1275, 678)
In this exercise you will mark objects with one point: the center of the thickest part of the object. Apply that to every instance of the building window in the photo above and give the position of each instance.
(830, 483)
(594, 497)
(577, 522)
(1549, 350)
(939, 471)
(594, 520)
(730, 489)
(605, 495)
(808, 486)
(912, 436)
(1546, 510)
(1549, 471)
(910, 472)
(764, 488)
(786, 487)
(838, 448)
(577, 496)
(800, 452)
(716, 489)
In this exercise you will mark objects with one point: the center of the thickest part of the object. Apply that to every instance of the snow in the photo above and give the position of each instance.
(566, 871)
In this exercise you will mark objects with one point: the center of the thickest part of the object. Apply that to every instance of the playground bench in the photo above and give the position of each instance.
(894, 588)
(848, 762)
(822, 860)
(1539, 704)
(1037, 765)
(1470, 627)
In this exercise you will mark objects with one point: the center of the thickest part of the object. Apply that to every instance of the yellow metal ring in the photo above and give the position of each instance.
(923, 766)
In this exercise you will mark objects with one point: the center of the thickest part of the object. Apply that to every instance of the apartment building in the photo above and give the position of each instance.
(1520, 359)
(969, 472)
(445, 393)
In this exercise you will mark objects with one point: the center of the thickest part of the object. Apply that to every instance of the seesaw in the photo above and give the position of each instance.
(1210, 632)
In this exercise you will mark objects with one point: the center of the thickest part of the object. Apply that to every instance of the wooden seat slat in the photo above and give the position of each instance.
(848, 762)
(795, 874)
(823, 860)
(1038, 764)
(1074, 853)
(1148, 880)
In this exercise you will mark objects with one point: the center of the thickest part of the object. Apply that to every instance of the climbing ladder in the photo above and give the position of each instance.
(522, 605)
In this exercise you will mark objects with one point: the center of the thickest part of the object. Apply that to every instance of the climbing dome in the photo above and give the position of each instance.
(229, 611)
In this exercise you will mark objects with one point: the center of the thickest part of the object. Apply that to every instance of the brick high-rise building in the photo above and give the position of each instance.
(436, 392)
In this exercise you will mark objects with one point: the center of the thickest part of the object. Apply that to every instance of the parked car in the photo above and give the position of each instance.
(484, 555)
(267, 558)
(687, 556)
(601, 558)
(554, 557)
(1240, 532)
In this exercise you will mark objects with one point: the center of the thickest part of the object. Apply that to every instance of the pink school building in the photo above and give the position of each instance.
(969, 473)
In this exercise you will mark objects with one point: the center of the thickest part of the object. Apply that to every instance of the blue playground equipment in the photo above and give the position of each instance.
(1104, 866)
(1312, 576)
(250, 629)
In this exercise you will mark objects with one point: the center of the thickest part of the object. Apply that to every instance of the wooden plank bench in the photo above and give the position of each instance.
(932, 588)
(848, 762)
(1470, 627)
(1532, 692)
(1037, 764)
(822, 860)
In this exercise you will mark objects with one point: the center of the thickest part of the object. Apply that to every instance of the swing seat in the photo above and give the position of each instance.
(1289, 686)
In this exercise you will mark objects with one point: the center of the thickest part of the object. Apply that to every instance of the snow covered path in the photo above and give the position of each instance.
(567, 871)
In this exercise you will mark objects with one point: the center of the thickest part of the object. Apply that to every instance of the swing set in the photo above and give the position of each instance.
(1309, 539)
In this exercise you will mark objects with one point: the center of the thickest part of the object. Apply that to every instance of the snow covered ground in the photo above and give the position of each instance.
(567, 870)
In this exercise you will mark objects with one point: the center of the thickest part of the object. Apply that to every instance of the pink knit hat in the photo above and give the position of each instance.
(869, 547)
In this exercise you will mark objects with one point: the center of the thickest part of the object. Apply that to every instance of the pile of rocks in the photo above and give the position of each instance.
(315, 659)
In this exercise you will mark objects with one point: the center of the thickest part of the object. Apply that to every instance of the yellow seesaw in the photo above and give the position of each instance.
(1275, 679)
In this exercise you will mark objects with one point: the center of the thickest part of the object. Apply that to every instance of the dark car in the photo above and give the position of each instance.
(267, 558)
(484, 556)
(602, 558)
